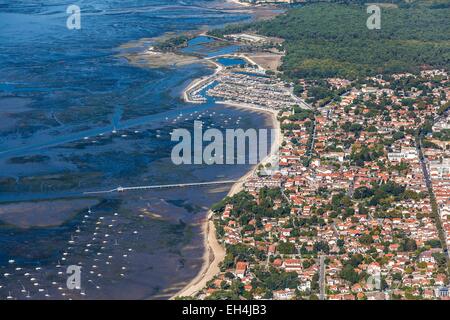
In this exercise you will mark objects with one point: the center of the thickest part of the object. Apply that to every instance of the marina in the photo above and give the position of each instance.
(103, 122)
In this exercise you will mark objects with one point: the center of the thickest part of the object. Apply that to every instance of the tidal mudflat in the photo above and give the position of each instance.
(77, 117)
(167, 249)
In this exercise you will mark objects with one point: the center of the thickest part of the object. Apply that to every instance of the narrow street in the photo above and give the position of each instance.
(434, 204)
(322, 277)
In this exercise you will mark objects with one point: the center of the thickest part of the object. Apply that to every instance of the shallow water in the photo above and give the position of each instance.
(77, 118)
(230, 62)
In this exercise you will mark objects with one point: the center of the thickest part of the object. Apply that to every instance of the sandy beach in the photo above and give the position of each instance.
(214, 251)
(213, 255)
(239, 3)
(277, 141)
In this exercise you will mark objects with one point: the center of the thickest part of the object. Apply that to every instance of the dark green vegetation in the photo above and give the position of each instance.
(50, 182)
(246, 207)
(384, 194)
(328, 40)
(444, 135)
(366, 154)
(333, 40)
(186, 205)
(174, 43)
(29, 159)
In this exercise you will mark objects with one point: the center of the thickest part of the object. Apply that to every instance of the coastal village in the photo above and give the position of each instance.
(255, 90)
(355, 205)
(350, 202)
(359, 204)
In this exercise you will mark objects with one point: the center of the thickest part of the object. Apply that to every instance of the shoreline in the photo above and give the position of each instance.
(195, 84)
(244, 4)
(277, 141)
(201, 81)
(214, 251)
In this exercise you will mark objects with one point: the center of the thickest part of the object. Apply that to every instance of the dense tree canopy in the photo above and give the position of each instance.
(324, 40)
(327, 40)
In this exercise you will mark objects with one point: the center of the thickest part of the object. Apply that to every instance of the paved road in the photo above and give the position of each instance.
(433, 198)
(322, 277)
